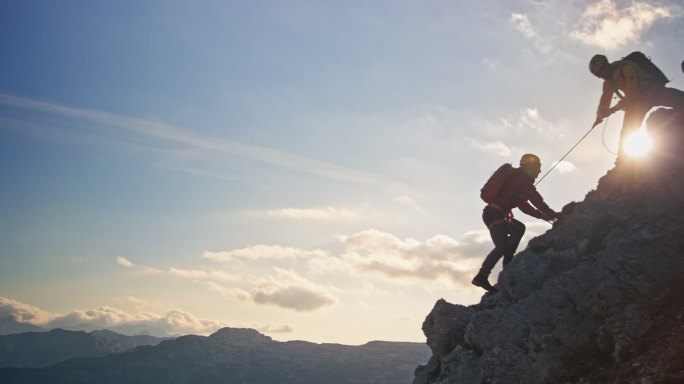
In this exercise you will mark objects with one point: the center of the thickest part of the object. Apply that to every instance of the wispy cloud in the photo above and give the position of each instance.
(198, 274)
(145, 129)
(522, 24)
(314, 214)
(137, 302)
(264, 252)
(564, 166)
(606, 26)
(493, 147)
(124, 262)
(517, 123)
(543, 41)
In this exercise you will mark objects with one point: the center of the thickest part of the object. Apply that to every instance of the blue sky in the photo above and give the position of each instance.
(306, 168)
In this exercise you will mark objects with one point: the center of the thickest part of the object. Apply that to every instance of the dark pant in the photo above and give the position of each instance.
(506, 234)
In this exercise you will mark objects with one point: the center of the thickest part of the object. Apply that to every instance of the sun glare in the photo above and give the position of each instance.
(639, 143)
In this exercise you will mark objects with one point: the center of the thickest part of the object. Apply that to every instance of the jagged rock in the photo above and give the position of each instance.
(596, 299)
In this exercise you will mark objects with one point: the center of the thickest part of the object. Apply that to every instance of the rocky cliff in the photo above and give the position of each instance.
(596, 299)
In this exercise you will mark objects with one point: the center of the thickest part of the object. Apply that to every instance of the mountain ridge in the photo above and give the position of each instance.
(236, 355)
(45, 348)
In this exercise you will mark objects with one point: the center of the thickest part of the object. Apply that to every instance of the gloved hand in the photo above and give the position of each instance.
(553, 218)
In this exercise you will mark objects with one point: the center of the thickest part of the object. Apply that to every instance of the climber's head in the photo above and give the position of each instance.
(531, 164)
(599, 66)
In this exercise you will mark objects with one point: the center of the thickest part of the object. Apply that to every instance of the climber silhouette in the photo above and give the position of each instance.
(513, 189)
(640, 87)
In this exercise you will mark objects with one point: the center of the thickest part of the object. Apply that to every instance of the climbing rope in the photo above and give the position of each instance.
(603, 139)
(573, 147)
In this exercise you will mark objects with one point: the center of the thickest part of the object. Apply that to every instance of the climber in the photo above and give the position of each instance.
(638, 88)
(506, 231)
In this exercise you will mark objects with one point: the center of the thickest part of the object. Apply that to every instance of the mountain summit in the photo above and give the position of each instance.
(596, 299)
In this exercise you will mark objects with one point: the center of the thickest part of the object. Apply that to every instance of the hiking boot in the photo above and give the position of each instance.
(482, 282)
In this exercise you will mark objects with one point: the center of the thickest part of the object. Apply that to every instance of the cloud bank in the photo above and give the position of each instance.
(606, 26)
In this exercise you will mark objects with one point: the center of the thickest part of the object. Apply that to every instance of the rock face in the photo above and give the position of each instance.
(596, 299)
(236, 356)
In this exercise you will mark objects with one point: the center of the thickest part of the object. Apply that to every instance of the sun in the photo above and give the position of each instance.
(638, 144)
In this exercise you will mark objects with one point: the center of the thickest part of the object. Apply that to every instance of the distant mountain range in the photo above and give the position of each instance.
(233, 356)
(42, 349)
(8, 326)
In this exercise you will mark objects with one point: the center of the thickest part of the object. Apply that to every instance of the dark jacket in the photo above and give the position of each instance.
(518, 191)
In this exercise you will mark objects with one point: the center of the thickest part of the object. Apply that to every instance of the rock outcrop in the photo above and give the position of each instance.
(596, 299)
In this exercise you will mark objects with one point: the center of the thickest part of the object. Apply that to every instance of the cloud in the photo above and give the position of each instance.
(377, 252)
(494, 147)
(605, 26)
(314, 214)
(24, 313)
(290, 290)
(136, 302)
(511, 126)
(175, 321)
(522, 23)
(409, 202)
(124, 262)
(298, 298)
(232, 292)
(274, 328)
(264, 252)
(178, 322)
(147, 131)
(492, 64)
(199, 274)
(565, 166)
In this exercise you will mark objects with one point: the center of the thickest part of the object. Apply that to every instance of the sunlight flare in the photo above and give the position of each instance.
(639, 143)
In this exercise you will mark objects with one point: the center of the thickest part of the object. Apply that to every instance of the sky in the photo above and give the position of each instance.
(309, 169)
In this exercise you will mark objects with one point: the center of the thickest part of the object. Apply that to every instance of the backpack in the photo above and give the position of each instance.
(647, 65)
(490, 191)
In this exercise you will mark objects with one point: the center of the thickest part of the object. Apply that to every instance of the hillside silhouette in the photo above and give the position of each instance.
(596, 299)
(236, 356)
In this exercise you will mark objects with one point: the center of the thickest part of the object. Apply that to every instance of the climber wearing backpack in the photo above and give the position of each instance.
(638, 83)
(509, 188)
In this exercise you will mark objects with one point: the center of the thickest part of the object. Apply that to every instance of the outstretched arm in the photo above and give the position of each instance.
(543, 211)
